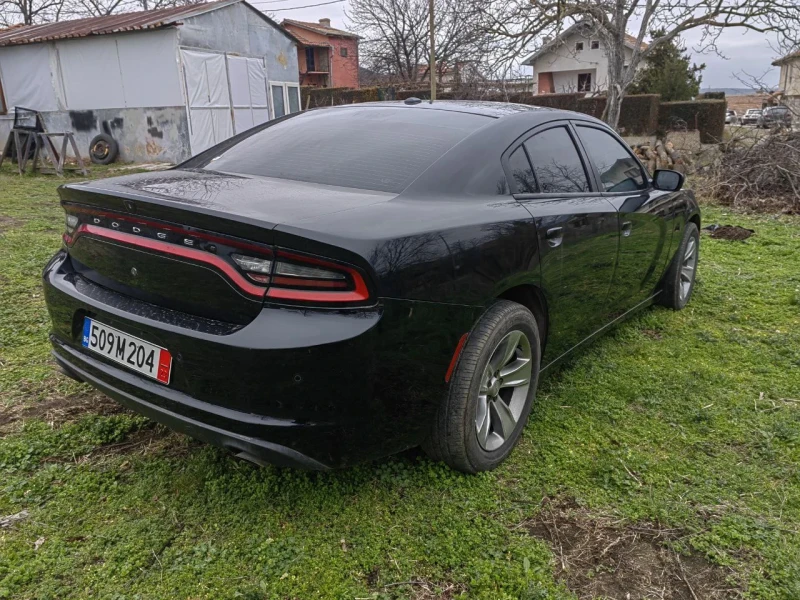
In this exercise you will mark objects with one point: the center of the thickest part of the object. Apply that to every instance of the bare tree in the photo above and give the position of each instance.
(524, 23)
(29, 12)
(395, 37)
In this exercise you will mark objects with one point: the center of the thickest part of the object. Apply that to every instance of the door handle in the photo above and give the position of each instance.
(627, 227)
(554, 236)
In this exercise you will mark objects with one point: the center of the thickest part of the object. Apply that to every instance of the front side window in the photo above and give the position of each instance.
(343, 52)
(578, 46)
(556, 162)
(619, 171)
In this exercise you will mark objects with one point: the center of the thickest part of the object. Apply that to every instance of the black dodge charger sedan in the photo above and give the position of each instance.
(345, 283)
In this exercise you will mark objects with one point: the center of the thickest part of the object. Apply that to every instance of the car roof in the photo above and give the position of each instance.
(475, 107)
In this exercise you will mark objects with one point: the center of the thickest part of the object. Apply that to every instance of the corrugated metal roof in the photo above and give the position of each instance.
(133, 21)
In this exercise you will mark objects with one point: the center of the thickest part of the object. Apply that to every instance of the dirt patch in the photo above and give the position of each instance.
(729, 232)
(56, 409)
(603, 557)
(7, 223)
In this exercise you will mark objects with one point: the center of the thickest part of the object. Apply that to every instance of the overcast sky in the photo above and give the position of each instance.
(744, 51)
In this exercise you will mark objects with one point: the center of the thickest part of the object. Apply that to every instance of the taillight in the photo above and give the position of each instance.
(281, 274)
(301, 278)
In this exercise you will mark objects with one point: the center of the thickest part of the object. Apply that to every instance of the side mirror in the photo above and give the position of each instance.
(668, 181)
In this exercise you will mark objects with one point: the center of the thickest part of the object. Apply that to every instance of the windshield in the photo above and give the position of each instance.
(371, 147)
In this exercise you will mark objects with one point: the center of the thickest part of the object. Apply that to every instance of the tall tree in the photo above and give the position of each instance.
(669, 72)
(395, 42)
(524, 23)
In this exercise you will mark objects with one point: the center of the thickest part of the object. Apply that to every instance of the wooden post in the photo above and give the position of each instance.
(432, 63)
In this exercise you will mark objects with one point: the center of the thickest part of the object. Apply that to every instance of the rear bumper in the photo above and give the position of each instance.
(89, 370)
(303, 388)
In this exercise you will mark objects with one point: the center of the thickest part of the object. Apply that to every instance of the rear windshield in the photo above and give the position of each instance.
(371, 148)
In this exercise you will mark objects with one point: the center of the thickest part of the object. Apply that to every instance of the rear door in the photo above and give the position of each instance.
(577, 230)
(645, 215)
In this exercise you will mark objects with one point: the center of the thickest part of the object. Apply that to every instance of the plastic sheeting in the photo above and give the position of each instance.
(248, 80)
(26, 77)
(209, 100)
(126, 71)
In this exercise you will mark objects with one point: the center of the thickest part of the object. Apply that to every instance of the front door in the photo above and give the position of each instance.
(578, 235)
(644, 216)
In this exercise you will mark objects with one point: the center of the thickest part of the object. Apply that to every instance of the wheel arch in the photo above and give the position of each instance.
(532, 298)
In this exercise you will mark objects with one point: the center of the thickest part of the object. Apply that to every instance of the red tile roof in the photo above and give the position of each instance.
(307, 42)
(632, 41)
(319, 28)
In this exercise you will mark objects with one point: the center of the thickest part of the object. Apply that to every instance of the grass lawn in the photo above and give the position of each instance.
(663, 462)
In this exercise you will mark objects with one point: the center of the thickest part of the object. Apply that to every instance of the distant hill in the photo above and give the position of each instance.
(731, 91)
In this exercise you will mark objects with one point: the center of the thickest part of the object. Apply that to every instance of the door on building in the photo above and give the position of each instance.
(208, 98)
(248, 79)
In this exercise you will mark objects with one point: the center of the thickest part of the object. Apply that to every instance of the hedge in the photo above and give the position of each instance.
(641, 114)
(314, 96)
(706, 116)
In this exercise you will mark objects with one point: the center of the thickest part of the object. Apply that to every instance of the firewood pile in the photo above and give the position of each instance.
(662, 155)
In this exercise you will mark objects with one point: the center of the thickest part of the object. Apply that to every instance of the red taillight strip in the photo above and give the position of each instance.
(454, 360)
(360, 294)
(171, 249)
(174, 228)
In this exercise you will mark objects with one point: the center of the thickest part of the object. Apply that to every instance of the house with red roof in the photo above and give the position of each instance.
(327, 57)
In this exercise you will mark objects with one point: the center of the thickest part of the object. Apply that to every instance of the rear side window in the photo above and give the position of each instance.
(371, 148)
(556, 162)
(521, 172)
(619, 171)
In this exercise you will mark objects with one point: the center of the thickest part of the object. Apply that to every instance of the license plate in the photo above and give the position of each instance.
(136, 354)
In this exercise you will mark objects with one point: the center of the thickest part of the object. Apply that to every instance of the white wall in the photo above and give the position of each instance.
(133, 70)
(790, 78)
(27, 77)
(567, 81)
(136, 70)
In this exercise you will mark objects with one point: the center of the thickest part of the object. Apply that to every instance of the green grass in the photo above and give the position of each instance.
(687, 420)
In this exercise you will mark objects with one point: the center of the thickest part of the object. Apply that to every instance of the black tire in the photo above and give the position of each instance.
(103, 149)
(671, 295)
(453, 438)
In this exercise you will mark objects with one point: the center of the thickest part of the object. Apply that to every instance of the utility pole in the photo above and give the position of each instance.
(432, 63)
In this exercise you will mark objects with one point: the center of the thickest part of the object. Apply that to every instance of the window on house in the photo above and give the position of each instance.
(310, 66)
(595, 45)
(285, 98)
(343, 52)
(584, 82)
(578, 46)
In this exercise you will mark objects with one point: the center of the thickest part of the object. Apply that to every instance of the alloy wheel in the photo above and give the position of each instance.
(688, 267)
(504, 389)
